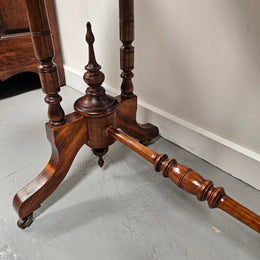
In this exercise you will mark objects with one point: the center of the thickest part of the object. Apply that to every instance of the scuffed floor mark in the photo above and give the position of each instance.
(20, 169)
(131, 231)
(216, 230)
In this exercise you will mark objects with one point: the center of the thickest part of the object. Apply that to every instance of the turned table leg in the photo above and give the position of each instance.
(127, 100)
(95, 121)
(126, 16)
(44, 52)
(66, 134)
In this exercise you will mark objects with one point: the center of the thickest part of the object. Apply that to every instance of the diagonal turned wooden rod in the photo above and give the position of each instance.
(191, 181)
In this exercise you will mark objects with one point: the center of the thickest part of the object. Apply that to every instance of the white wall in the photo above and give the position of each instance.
(197, 64)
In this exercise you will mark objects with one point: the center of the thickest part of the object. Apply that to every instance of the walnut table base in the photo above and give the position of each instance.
(95, 122)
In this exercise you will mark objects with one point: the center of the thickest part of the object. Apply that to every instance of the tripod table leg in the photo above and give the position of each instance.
(65, 140)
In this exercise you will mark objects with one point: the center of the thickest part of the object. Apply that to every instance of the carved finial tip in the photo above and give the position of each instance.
(100, 161)
(89, 36)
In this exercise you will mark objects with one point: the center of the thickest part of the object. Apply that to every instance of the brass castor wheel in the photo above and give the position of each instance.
(25, 222)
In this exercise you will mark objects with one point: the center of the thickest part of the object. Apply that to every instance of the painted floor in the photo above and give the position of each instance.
(123, 211)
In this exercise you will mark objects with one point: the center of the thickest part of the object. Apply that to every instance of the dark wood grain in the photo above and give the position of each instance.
(126, 120)
(13, 17)
(96, 120)
(12, 54)
(126, 16)
(126, 114)
(55, 39)
(95, 112)
(96, 103)
(44, 52)
(65, 145)
(191, 181)
(16, 48)
(98, 107)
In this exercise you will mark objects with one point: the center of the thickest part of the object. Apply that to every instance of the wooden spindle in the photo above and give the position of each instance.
(43, 48)
(126, 16)
(191, 181)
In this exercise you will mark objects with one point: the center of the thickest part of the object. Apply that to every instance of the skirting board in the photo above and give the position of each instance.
(232, 158)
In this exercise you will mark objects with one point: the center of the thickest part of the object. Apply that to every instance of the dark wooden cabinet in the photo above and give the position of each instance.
(16, 47)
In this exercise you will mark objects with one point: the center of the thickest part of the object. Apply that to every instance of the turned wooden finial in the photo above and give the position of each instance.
(89, 36)
(93, 77)
(96, 105)
(96, 102)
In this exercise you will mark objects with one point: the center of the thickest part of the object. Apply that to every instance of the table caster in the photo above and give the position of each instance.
(25, 222)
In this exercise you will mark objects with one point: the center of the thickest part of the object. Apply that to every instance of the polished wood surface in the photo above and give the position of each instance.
(50, 6)
(96, 120)
(98, 107)
(96, 103)
(126, 16)
(44, 52)
(95, 112)
(13, 17)
(190, 181)
(65, 144)
(126, 120)
(126, 114)
(12, 54)
(16, 47)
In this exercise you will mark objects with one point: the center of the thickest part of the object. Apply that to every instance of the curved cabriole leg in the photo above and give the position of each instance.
(65, 145)
(191, 181)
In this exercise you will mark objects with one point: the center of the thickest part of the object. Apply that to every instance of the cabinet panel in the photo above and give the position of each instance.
(13, 16)
(19, 52)
(16, 48)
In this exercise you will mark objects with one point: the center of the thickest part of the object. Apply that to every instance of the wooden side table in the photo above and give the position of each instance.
(96, 120)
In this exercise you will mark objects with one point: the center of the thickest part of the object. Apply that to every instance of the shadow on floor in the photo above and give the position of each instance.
(19, 84)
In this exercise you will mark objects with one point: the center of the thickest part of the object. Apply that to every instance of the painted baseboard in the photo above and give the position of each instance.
(232, 158)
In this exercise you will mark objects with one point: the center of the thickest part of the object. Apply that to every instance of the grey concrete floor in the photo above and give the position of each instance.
(123, 211)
